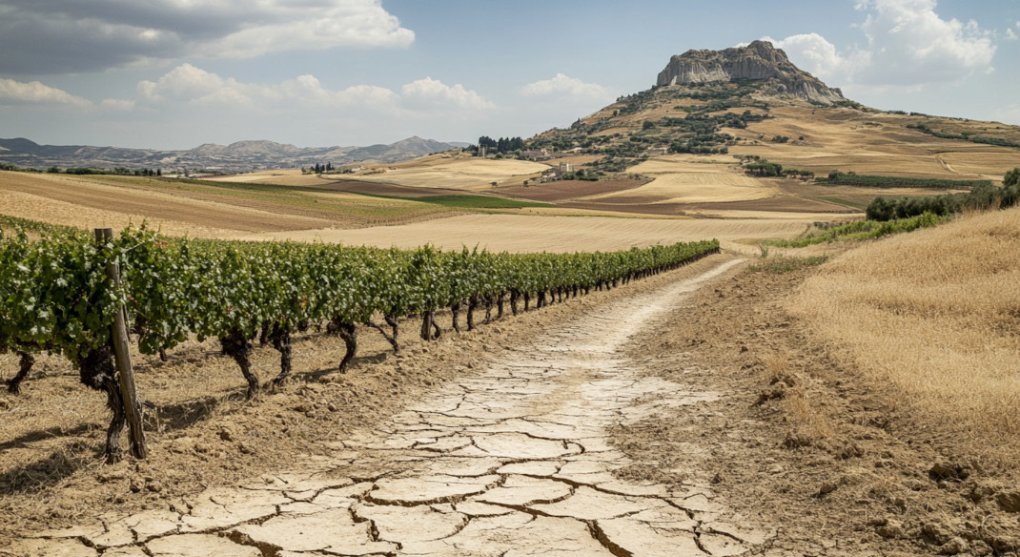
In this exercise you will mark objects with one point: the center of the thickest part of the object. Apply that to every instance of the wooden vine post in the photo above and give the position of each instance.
(122, 357)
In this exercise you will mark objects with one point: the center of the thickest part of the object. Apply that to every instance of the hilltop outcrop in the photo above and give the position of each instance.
(758, 61)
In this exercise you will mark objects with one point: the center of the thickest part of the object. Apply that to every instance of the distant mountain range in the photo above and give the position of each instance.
(236, 157)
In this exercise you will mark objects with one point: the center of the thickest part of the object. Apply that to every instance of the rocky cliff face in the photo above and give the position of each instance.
(758, 61)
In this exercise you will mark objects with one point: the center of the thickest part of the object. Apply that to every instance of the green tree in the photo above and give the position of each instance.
(1012, 178)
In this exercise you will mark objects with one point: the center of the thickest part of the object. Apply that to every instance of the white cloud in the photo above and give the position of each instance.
(54, 36)
(185, 82)
(432, 93)
(564, 85)
(907, 45)
(910, 43)
(190, 85)
(297, 26)
(812, 52)
(119, 105)
(1011, 34)
(34, 92)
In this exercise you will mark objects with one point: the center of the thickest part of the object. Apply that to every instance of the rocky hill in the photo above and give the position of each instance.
(236, 157)
(751, 101)
(758, 61)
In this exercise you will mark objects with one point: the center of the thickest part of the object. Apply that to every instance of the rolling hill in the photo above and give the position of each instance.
(237, 157)
(722, 109)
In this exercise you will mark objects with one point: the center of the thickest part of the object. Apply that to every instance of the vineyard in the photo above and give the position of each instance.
(56, 296)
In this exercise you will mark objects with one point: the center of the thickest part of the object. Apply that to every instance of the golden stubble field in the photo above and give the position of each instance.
(452, 171)
(236, 210)
(868, 143)
(693, 179)
(531, 233)
(936, 315)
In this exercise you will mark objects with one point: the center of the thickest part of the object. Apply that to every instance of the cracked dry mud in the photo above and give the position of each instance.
(513, 461)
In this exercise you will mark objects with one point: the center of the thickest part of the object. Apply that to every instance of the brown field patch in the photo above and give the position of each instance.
(386, 189)
(139, 205)
(456, 172)
(849, 196)
(526, 233)
(283, 177)
(565, 190)
(200, 207)
(868, 143)
(691, 179)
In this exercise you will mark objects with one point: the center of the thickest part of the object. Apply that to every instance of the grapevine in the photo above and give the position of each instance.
(55, 296)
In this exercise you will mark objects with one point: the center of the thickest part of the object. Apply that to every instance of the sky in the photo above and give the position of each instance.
(174, 74)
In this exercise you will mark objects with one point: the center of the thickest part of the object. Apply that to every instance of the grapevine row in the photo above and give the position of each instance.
(55, 296)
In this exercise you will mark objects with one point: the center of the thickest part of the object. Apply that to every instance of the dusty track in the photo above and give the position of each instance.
(514, 460)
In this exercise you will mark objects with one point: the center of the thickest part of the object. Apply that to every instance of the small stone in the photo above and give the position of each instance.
(947, 471)
(332, 407)
(826, 488)
(154, 486)
(226, 435)
(108, 476)
(891, 528)
(135, 486)
(935, 533)
(955, 546)
(1009, 501)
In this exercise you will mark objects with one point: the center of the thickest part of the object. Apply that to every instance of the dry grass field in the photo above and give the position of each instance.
(936, 315)
(868, 143)
(452, 171)
(382, 214)
(282, 177)
(208, 209)
(532, 233)
(693, 179)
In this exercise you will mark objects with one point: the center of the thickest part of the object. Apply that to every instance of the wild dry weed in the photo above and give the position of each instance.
(935, 314)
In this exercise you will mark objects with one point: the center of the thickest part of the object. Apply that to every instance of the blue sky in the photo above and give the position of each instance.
(178, 73)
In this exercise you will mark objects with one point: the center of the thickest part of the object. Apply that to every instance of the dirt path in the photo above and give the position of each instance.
(514, 460)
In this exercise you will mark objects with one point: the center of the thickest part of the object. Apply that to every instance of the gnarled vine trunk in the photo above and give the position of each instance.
(349, 333)
(280, 337)
(238, 346)
(97, 371)
(472, 305)
(430, 330)
(25, 363)
(392, 336)
(455, 316)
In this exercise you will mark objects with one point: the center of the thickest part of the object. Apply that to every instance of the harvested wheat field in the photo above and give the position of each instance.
(936, 315)
(691, 179)
(461, 172)
(868, 143)
(198, 208)
(527, 233)
(282, 177)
